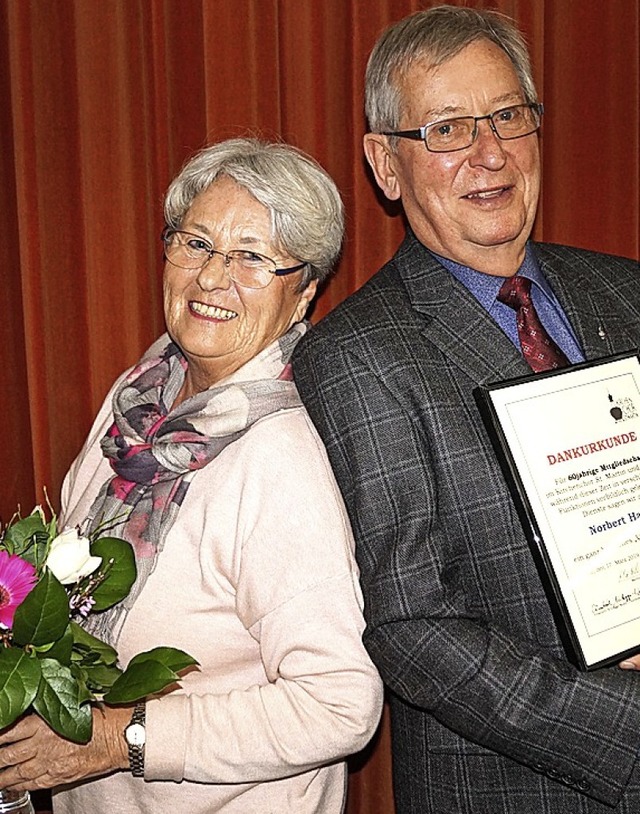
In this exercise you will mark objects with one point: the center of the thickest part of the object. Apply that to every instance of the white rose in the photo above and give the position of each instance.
(69, 558)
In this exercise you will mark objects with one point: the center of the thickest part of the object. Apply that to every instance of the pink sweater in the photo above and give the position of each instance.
(258, 582)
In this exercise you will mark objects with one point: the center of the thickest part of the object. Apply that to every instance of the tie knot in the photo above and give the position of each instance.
(515, 291)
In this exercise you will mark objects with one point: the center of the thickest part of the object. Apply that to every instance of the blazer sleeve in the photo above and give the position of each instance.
(473, 676)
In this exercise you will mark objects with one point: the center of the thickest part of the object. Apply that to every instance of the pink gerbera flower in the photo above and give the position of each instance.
(17, 578)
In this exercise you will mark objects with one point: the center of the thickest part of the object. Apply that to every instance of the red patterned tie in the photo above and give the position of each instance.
(538, 348)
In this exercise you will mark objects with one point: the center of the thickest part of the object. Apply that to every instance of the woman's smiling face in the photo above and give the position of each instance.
(218, 324)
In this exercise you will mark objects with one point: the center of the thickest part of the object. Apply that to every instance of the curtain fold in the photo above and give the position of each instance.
(591, 193)
(104, 100)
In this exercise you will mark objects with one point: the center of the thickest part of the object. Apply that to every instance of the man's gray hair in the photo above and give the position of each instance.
(438, 34)
(307, 215)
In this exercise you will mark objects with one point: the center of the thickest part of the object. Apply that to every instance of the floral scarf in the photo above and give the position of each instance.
(155, 451)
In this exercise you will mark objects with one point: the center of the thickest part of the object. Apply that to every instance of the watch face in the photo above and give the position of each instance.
(135, 735)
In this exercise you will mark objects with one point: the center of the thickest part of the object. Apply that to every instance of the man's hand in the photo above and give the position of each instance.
(33, 756)
(632, 663)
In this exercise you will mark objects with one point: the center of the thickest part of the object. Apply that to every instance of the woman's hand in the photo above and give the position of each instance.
(33, 756)
(631, 663)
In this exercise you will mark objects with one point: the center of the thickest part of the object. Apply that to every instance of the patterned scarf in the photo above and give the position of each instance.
(155, 451)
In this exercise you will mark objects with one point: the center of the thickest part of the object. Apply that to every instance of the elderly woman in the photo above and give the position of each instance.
(205, 460)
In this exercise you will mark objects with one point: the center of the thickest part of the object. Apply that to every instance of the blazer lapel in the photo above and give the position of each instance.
(454, 320)
(457, 324)
(587, 304)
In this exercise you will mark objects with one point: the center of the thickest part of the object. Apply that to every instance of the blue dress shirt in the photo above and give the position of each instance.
(485, 287)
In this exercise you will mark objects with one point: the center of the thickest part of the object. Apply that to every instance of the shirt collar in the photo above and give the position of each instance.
(485, 287)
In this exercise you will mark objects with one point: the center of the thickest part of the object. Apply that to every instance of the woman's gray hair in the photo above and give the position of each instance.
(438, 34)
(307, 215)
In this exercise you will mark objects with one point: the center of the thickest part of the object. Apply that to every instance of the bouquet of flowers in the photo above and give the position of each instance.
(50, 665)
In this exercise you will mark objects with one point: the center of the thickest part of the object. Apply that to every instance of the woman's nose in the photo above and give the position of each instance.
(215, 273)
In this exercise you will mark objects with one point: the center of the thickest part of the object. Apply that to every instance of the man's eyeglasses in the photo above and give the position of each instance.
(449, 135)
(247, 268)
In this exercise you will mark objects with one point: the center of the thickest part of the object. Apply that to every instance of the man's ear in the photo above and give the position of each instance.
(381, 160)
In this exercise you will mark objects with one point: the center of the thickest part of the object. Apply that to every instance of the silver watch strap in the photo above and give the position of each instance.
(136, 753)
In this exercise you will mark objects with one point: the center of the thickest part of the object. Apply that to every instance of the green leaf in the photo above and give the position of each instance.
(80, 675)
(22, 530)
(138, 681)
(121, 573)
(148, 673)
(170, 657)
(28, 538)
(101, 677)
(52, 527)
(19, 679)
(62, 703)
(43, 616)
(60, 650)
(86, 643)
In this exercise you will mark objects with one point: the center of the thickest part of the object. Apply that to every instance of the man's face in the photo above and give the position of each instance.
(475, 206)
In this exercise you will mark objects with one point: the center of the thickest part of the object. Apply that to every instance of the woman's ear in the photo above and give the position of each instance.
(305, 300)
(382, 162)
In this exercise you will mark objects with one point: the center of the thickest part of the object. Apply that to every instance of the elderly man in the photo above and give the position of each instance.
(488, 715)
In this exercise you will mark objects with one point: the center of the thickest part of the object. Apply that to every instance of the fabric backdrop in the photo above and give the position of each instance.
(101, 102)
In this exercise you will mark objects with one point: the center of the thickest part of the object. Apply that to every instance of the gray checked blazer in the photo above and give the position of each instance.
(488, 716)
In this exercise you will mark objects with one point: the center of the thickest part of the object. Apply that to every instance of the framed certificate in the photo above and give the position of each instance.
(569, 444)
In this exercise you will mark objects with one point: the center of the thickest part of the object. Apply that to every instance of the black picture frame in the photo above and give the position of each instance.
(498, 403)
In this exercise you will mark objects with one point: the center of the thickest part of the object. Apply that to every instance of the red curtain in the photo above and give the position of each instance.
(102, 102)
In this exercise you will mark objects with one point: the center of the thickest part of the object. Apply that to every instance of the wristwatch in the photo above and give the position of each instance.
(135, 735)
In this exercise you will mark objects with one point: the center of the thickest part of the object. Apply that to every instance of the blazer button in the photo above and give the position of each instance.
(583, 784)
(568, 779)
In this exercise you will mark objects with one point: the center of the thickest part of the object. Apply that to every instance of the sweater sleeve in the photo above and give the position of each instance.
(296, 592)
